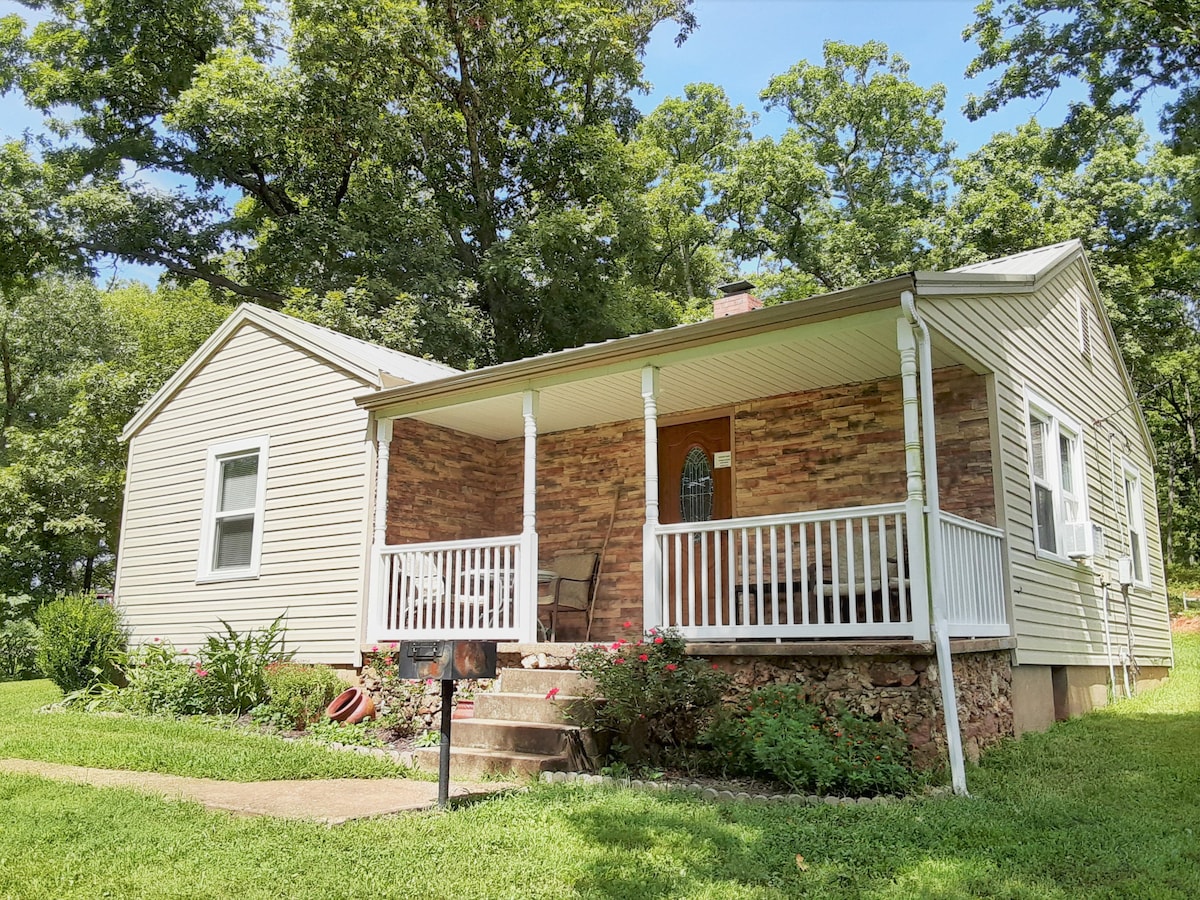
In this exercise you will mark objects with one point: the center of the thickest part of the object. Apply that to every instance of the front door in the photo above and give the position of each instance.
(695, 485)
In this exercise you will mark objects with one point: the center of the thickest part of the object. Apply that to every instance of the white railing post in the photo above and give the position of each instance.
(914, 512)
(651, 552)
(527, 585)
(377, 604)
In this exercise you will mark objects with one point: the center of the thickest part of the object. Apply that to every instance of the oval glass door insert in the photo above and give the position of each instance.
(696, 487)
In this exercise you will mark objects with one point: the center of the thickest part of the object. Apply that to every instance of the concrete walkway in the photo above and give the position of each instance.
(330, 800)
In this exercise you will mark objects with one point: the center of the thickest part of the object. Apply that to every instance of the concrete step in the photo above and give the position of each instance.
(523, 737)
(562, 709)
(470, 764)
(539, 681)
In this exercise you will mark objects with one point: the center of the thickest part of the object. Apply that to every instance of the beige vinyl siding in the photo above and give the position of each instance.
(315, 514)
(1031, 341)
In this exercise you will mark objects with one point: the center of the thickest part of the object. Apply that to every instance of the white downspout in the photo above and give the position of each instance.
(940, 625)
(527, 612)
(1108, 647)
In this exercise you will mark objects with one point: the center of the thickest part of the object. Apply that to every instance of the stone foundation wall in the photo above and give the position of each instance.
(899, 689)
(903, 690)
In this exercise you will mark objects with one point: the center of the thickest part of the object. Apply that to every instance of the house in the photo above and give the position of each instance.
(249, 486)
(941, 472)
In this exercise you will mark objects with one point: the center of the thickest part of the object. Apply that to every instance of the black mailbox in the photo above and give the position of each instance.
(447, 660)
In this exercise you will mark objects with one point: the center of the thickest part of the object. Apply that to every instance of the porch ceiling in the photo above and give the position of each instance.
(843, 351)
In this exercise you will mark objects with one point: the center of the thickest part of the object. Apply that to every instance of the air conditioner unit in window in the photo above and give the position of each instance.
(1079, 540)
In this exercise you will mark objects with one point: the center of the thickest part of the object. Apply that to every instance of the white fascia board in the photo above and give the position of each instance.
(931, 284)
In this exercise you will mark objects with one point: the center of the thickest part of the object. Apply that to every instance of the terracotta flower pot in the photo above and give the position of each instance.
(351, 705)
(464, 710)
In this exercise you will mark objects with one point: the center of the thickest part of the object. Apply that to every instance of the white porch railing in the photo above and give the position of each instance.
(450, 589)
(835, 573)
(974, 585)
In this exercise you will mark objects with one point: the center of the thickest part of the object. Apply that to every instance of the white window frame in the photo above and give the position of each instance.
(206, 570)
(1135, 520)
(1059, 425)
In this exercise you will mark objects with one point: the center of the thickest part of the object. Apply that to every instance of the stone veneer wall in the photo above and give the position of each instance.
(900, 689)
(897, 687)
(844, 445)
(443, 485)
(837, 446)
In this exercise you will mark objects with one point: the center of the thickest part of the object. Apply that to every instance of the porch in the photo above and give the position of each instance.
(492, 473)
(837, 574)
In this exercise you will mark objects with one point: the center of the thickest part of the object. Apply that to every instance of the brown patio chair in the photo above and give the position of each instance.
(571, 588)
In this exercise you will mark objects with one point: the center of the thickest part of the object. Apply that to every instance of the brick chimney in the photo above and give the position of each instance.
(735, 298)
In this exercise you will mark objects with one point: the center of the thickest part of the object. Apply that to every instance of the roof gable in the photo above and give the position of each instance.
(1026, 272)
(373, 365)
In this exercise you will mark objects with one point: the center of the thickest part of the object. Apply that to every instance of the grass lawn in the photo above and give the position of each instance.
(162, 745)
(1103, 806)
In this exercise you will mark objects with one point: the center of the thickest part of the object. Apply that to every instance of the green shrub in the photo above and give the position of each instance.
(18, 650)
(1181, 579)
(234, 666)
(777, 734)
(299, 694)
(656, 699)
(159, 680)
(80, 643)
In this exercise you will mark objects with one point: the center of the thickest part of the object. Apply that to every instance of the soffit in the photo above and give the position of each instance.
(854, 349)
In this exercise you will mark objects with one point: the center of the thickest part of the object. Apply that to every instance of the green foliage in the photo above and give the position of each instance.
(1049, 818)
(413, 151)
(846, 194)
(1123, 50)
(1182, 579)
(775, 733)
(299, 694)
(160, 681)
(656, 699)
(81, 641)
(76, 366)
(234, 665)
(18, 650)
(356, 734)
(428, 739)
(18, 638)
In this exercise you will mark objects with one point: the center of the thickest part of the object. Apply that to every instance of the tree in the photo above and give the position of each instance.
(469, 159)
(1128, 202)
(844, 196)
(690, 146)
(86, 363)
(1121, 49)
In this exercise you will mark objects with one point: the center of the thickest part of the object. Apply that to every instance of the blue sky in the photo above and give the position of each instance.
(740, 44)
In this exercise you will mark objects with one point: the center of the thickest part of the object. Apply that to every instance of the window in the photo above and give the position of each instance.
(1056, 464)
(231, 539)
(1135, 523)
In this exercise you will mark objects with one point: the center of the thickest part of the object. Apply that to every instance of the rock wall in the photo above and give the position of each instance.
(903, 690)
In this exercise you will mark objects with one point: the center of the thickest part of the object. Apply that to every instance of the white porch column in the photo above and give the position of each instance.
(377, 619)
(914, 512)
(526, 614)
(651, 555)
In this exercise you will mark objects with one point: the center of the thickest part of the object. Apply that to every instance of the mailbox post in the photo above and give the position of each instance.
(447, 662)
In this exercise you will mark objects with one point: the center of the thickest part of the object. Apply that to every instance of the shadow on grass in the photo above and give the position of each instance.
(1104, 806)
